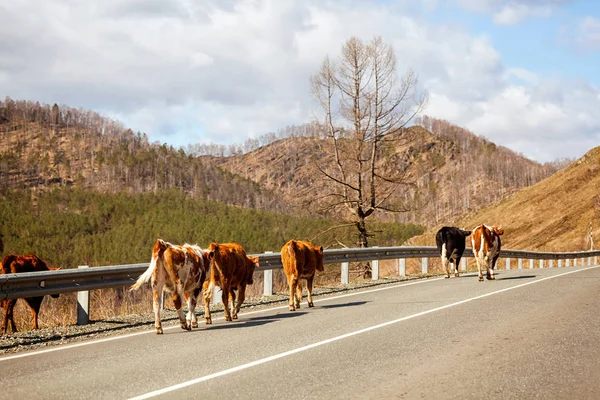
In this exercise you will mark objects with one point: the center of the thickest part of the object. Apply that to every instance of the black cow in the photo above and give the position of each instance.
(450, 242)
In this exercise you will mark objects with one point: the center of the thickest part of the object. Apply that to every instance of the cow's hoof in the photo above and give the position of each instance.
(195, 324)
(159, 331)
(490, 278)
(456, 275)
(292, 308)
(481, 279)
(234, 316)
(208, 321)
(311, 304)
(227, 318)
(298, 305)
(185, 327)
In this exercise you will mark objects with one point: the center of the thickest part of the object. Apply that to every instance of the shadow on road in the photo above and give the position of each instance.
(254, 321)
(517, 277)
(352, 304)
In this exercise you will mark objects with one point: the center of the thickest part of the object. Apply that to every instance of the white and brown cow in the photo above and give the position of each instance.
(180, 270)
(450, 242)
(486, 245)
(231, 269)
(300, 261)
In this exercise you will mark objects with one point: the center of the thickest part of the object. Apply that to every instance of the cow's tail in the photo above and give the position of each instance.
(291, 249)
(156, 256)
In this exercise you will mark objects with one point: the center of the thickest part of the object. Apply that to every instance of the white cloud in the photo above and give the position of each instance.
(205, 71)
(511, 12)
(588, 35)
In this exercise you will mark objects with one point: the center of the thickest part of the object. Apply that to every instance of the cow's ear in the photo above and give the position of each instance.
(255, 260)
(498, 231)
(321, 249)
(211, 255)
(467, 233)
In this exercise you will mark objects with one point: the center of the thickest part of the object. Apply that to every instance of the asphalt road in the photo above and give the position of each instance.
(529, 334)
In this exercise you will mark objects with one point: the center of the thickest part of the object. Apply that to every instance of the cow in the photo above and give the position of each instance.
(450, 242)
(231, 269)
(486, 245)
(15, 264)
(180, 270)
(300, 261)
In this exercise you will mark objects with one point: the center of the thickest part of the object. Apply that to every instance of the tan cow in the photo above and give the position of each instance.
(14, 264)
(180, 270)
(300, 261)
(486, 245)
(231, 269)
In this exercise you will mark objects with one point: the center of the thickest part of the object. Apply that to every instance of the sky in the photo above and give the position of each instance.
(522, 73)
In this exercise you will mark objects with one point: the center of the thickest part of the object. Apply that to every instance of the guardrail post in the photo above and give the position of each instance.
(508, 263)
(520, 263)
(567, 262)
(345, 273)
(463, 264)
(402, 266)
(531, 263)
(375, 268)
(541, 263)
(83, 305)
(550, 263)
(589, 260)
(268, 280)
(424, 262)
(595, 260)
(560, 263)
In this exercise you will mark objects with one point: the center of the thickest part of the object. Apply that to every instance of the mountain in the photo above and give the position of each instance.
(453, 170)
(450, 170)
(552, 215)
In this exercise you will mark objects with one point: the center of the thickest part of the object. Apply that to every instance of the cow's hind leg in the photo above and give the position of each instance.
(292, 287)
(233, 305)
(192, 301)
(298, 298)
(8, 315)
(445, 261)
(479, 262)
(241, 298)
(35, 303)
(207, 295)
(157, 303)
(177, 303)
(309, 287)
(456, 264)
(225, 298)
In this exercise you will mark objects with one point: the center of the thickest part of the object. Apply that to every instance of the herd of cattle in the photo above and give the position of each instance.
(187, 271)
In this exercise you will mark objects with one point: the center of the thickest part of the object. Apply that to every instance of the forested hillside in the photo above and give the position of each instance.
(43, 146)
(71, 226)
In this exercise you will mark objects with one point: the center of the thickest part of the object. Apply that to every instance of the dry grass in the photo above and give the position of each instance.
(552, 215)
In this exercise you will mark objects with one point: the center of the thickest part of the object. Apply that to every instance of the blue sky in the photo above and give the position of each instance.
(522, 73)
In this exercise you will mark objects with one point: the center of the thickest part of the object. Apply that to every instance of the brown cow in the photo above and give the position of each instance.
(180, 270)
(486, 245)
(300, 261)
(231, 269)
(13, 264)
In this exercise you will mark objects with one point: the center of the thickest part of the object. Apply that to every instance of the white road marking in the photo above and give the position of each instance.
(337, 338)
(87, 343)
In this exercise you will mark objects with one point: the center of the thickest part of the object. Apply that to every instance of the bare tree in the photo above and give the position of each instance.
(365, 104)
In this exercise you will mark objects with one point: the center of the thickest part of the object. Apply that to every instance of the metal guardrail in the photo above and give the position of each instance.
(78, 280)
